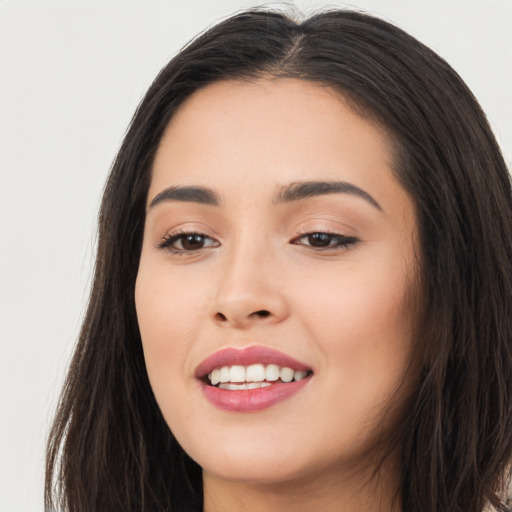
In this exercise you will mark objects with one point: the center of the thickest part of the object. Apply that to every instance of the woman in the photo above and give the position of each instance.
(303, 283)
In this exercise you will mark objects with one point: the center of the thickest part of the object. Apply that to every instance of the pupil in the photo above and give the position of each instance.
(191, 242)
(319, 239)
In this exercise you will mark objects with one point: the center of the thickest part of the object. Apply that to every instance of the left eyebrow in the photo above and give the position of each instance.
(201, 195)
(303, 190)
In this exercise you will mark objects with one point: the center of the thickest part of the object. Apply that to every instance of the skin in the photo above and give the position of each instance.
(344, 310)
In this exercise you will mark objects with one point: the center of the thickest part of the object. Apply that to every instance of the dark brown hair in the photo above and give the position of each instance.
(110, 448)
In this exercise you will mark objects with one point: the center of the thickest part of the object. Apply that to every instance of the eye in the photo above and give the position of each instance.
(187, 242)
(323, 240)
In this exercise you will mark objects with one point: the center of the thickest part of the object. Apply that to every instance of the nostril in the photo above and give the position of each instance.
(262, 313)
(220, 317)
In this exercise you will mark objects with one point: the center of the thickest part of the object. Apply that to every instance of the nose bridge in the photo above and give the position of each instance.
(248, 288)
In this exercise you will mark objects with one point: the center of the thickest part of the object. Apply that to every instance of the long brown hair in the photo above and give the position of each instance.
(110, 449)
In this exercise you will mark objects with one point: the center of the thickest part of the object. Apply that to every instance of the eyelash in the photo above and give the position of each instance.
(167, 242)
(341, 241)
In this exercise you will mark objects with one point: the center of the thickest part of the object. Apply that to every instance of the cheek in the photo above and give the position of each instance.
(168, 322)
(361, 321)
(169, 317)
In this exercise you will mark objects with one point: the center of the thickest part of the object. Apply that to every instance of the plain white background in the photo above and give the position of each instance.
(71, 75)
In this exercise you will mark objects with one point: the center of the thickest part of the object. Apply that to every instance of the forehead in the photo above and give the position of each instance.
(268, 133)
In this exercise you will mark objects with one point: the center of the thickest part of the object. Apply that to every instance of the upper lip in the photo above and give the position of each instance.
(246, 357)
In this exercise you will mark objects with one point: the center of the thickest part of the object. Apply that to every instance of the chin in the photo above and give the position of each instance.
(249, 457)
(264, 470)
(256, 457)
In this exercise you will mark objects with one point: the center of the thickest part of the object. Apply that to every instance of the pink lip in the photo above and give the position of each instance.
(246, 357)
(249, 400)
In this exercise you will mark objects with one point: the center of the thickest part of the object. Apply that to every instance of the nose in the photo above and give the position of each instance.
(249, 292)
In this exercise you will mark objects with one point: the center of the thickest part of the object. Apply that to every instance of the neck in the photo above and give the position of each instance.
(329, 493)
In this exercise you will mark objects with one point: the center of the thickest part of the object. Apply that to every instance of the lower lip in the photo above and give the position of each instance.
(250, 400)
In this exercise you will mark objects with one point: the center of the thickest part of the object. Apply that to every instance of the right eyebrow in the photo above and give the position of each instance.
(192, 194)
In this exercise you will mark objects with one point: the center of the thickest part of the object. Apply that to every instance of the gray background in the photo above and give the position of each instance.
(71, 75)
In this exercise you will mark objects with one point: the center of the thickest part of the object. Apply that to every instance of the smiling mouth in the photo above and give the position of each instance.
(254, 376)
(250, 379)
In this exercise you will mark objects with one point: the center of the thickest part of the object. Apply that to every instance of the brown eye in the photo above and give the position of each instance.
(321, 240)
(187, 242)
(193, 242)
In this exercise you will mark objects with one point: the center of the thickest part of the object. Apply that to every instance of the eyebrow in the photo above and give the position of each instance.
(201, 195)
(303, 190)
(292, 192)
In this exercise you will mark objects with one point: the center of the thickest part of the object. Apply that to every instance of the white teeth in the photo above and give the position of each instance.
(224, 374)
(256, 385)
(299, 375)
(286, 374)
(255, 373)
(232, 387)
(237, 373)
(272, 372)
(250, 385)
(215, 377)
(253, 376)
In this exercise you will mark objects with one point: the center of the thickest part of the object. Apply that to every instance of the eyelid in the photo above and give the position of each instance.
(165, 243)
(188, 226)
(337, 240)
(343, 241)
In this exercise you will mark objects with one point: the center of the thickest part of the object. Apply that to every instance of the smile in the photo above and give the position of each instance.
(250, 379)
(253, 376)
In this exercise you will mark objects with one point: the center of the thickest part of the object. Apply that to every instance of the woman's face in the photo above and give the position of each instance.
(277, 246)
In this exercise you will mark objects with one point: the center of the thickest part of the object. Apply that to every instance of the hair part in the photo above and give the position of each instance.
(110, 448)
